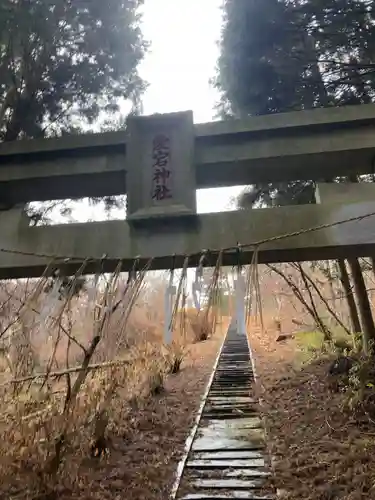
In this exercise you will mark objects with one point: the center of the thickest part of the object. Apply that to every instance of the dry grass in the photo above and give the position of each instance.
(149, 440)
(77, 373)
(200, 324)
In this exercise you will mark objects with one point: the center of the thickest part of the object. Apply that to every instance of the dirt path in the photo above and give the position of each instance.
(144, 460)
(321, 452)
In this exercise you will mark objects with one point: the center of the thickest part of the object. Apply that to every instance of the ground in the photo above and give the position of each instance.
(319, 451)
(143, 461)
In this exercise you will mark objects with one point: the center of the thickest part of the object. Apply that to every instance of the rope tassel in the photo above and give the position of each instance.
(240, 303)
(197, 284)
(170, 292)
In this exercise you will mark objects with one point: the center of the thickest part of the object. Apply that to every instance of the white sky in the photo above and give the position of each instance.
(183, 54)
(178, 67)
(181, 61)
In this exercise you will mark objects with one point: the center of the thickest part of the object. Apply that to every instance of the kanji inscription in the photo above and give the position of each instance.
(161, 172)
(160, 166)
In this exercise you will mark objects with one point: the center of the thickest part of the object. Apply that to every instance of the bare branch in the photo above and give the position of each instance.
(62, 373)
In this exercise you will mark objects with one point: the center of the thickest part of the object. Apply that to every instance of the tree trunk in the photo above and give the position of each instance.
(330, 283)
(352, 306)
(373, 264)
(312, 56)
(310, 308)
(326, 331)
(308, 280)
(368, 327)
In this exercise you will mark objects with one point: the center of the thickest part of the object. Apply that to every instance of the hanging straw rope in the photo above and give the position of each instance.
(253, 292)
(211, 311)
(181, 285)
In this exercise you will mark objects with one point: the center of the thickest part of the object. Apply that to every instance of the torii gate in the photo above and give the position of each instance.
(160, 162)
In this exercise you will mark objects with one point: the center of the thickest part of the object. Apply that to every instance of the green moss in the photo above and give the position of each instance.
(311, 344)
(309, 341)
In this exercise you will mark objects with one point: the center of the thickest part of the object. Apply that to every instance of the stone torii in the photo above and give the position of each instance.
(161, 160)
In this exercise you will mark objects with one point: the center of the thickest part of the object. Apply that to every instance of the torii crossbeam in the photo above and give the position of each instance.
(160, 162)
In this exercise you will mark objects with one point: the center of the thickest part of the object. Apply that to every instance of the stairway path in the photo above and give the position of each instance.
(225, 458)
